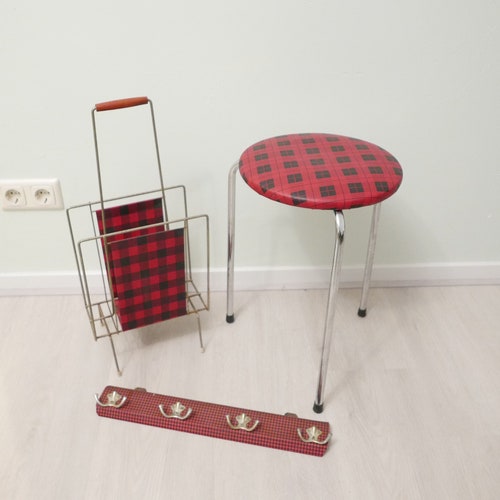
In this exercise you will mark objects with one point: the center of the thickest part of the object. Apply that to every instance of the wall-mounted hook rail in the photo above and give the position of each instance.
(215, 420)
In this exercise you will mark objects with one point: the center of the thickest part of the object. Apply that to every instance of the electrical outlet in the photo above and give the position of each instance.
(13, 197)
(31, 194)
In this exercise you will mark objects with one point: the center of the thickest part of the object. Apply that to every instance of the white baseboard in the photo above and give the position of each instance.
(485, 273)
(278, 278)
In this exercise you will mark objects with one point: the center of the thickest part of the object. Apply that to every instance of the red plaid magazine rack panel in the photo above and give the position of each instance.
(150, 278)
(146, 264)
(131, 216)
(282, 432)
(126, 218)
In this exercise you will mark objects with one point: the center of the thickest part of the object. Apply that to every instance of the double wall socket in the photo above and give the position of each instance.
(31, 194)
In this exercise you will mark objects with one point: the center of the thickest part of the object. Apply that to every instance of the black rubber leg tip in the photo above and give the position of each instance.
(361, 313)
(318, 408)
(230, 318)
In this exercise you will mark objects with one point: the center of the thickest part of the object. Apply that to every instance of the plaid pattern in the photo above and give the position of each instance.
(320, 171)
(208, 419)
(149, 276)
(120, 218)
(130, 216)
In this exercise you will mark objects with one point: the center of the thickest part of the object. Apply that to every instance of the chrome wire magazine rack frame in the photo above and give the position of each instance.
(136, 260)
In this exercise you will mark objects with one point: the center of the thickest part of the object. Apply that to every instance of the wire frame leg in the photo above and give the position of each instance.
(114, 355)
(110, 336)
(330, 309)
(369, 260)
(230, 243)
(200, 335)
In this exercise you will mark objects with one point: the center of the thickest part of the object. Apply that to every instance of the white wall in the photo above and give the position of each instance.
(419, 78)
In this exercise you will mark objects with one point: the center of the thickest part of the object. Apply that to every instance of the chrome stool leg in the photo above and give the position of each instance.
(330, 309)
(230, 243)
(369, 260)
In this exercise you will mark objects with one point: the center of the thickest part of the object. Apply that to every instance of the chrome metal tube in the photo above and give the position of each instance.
(157, 149)
(330, 309)
(230, 242)
(369, 260)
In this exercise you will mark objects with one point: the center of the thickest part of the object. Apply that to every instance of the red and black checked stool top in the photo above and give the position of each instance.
(320, 171)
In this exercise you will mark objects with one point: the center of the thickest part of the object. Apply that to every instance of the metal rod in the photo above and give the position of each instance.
(230, 242)
(207, 226)
(134, 195)
(115, 357)
(200, 335)
(78, 265)
(101, 197)
(157, 149)
(330, 309)
(369, 260)
(149, 226)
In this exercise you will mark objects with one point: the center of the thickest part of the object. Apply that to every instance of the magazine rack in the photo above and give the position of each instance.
(136, 261)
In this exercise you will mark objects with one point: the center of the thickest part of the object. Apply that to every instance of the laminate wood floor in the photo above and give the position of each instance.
(413, 397)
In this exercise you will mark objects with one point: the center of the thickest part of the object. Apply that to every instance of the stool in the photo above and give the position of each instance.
(320, 172)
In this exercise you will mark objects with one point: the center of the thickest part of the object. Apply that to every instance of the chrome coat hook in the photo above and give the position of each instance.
(114, 399)
(313, 434)
(177, 411)
(242, 422)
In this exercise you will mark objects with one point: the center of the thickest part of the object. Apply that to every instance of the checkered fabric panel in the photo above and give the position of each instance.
(150, 279)
(209, 419)
(129, 216)
(320, 171)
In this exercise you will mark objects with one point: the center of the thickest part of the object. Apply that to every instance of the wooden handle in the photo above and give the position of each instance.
(121, 103)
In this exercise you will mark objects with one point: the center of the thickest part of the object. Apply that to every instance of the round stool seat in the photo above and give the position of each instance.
(320, 171)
